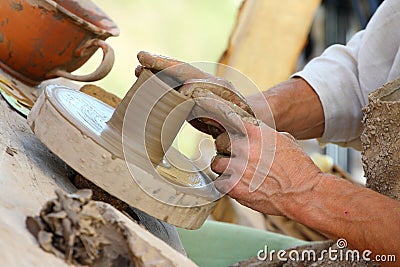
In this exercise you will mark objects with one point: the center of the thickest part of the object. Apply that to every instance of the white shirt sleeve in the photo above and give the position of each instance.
(344, 75)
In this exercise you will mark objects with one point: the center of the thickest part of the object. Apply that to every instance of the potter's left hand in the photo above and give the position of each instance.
(263, 169)
(195, 83)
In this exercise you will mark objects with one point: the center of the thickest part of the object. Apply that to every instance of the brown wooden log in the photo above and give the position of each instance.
(267, 40)
(29, 174)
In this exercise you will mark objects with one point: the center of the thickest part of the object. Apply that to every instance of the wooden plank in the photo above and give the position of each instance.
(29, 174)
(267, 40)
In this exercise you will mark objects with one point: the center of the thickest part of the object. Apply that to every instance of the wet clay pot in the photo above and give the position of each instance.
(44, 39)
(381, 140)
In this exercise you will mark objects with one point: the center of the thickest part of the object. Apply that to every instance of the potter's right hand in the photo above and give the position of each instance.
(195, 80)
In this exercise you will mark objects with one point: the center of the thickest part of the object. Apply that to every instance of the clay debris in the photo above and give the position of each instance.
(101, 94)
(73, 228)
(381, 140)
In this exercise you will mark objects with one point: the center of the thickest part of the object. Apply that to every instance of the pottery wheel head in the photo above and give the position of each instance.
(77, 128)
(91, 116)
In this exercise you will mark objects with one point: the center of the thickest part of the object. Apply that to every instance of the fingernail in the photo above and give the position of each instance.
(222, 185)
(141, 54)
(146, 59)
(138, 70)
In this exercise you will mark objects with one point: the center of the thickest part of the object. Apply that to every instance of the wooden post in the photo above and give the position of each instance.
(267, 40)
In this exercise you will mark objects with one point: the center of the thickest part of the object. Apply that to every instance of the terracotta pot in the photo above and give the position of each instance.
(44, 39)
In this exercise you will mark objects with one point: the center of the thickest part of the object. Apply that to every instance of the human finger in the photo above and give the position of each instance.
(220, 163)
(211, 106)
(138, 70)
(207, 126)
(172, 67)
(217, 111)
(223, 144)
(225, 183)
(218, 86)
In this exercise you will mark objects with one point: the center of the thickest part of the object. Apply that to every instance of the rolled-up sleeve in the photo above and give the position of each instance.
(344, 75)
(334, 77)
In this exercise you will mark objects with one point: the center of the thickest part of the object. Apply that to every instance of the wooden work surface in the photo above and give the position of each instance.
(29, 174)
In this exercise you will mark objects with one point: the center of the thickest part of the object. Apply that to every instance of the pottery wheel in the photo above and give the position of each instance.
(73, 126)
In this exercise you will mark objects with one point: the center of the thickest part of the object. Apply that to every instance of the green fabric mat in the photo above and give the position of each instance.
(218, 244)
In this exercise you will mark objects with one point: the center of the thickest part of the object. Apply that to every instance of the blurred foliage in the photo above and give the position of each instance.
(189, 30)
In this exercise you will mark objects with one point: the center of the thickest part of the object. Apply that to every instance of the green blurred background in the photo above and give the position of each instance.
(189, 30)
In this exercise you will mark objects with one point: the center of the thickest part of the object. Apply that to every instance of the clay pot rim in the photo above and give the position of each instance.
(107, 31)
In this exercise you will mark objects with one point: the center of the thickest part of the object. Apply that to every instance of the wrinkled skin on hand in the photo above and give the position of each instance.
(263, 169)
(195, 84)
(258, 166)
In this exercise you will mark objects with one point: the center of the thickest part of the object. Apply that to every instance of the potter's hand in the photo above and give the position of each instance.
(175, 68)
(195, 83)
(263, 169)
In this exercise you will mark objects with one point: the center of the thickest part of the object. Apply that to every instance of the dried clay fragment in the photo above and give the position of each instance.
(85, 232)
(381, 140)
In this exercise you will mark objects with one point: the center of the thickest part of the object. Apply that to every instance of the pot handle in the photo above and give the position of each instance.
(102, 70)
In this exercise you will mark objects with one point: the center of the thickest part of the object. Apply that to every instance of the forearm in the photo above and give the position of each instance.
(339, 209)
(295, 106)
